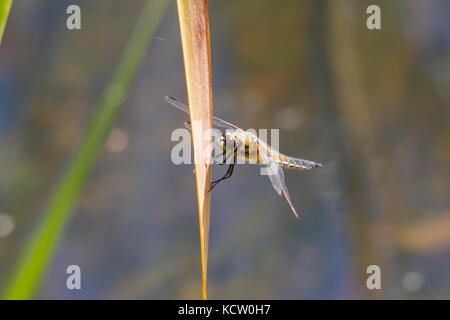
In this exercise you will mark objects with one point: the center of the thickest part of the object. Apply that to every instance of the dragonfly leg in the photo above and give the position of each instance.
(226, 176)
(224, 159)
(225, 156)
(216, 158)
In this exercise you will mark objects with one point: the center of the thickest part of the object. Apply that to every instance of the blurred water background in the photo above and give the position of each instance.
(372, 105)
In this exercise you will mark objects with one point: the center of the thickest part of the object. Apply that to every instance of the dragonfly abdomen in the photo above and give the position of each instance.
(295, 163)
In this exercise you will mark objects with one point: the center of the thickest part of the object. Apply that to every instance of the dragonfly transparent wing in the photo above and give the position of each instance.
(276, 176)
(181, 106)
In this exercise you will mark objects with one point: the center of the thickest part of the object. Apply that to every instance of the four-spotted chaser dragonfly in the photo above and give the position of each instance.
(252, 148)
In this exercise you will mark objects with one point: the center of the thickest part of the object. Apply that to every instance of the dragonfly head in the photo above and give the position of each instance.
(222, 140)
(226, 141)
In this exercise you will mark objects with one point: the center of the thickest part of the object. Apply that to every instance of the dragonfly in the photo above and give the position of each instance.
(253, 149)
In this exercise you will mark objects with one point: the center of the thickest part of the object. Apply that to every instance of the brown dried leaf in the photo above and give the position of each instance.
(194, 29)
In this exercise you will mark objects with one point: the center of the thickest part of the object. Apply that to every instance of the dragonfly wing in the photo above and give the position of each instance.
(276, 176)
(174, 102)
(181, 106)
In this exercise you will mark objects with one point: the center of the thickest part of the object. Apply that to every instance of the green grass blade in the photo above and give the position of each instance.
(5, 6)
(40, 249)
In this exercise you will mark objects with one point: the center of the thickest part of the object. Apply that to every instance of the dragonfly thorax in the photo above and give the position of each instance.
(243, 144)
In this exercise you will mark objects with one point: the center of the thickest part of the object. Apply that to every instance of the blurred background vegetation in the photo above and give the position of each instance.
(372, 105)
